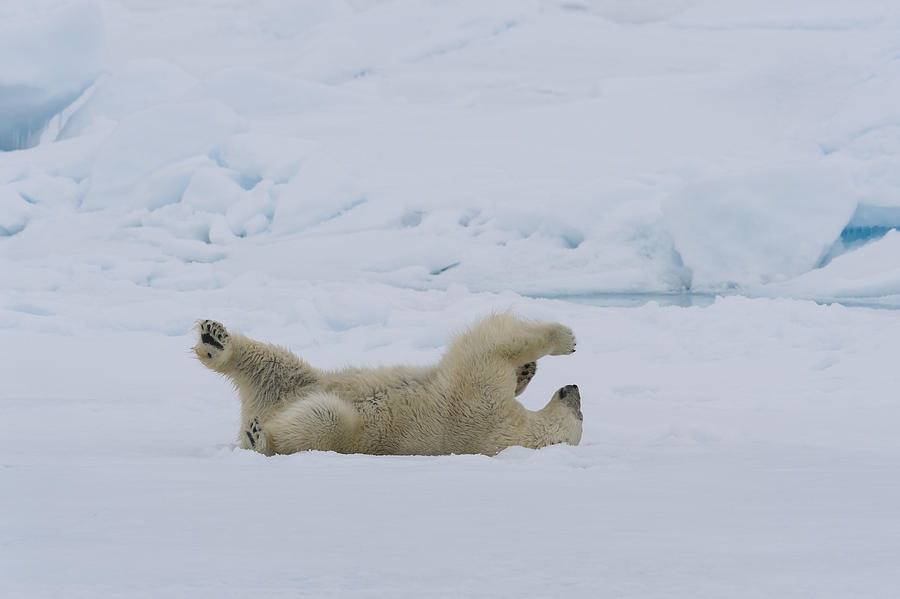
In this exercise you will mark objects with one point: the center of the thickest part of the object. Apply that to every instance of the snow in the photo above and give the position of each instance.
(50, 57)
(741, 449)
(356, 180)
(590, 136)
(867, 274)
(757, 228)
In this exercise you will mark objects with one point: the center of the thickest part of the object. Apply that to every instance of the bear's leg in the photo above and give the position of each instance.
(524, 374)
(513, 340)
(535, 340)
(560, 421)
(264, 374)
(321, 422)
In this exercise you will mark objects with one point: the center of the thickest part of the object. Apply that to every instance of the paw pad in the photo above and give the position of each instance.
(214, 335)
(524, 374)
(526, 371)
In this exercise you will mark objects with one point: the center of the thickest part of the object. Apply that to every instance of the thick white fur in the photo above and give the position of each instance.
(464, 404)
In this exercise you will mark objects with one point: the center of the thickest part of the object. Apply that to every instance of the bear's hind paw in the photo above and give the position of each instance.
(256, 437)
(570, 397)
(562, 340)
(253, 432)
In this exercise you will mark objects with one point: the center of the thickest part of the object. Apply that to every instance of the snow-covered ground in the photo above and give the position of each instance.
(358, 179)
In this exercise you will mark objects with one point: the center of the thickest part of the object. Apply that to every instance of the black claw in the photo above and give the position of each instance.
(252, 441)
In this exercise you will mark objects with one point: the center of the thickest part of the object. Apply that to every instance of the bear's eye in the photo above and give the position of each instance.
(208, 355)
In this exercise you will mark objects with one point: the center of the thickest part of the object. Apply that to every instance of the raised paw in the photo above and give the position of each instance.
(214, 338)
(562, 340)
(524, 374)
(570, 396)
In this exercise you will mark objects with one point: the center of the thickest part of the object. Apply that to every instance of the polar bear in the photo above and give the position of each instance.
(466, 403)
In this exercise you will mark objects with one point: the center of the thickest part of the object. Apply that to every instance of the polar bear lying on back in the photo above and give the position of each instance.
(464, 404)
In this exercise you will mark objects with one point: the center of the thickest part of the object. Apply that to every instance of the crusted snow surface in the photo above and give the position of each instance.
(358, 179)
(748, 448)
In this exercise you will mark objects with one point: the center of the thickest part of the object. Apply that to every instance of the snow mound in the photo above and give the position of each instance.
(757, 228)
(133, 86)
(49, 60)
(868, 272)
(869, 216)
(148, 141)
(14, 212)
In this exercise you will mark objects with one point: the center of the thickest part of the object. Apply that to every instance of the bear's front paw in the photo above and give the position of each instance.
(562, 340)
(214, 339)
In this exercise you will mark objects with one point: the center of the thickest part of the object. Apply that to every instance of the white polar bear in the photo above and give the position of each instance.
(464, 404)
